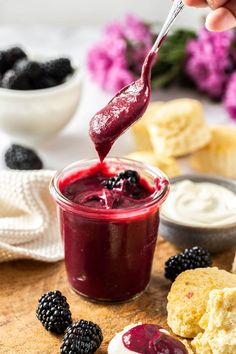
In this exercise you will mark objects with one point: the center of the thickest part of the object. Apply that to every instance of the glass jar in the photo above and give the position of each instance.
(109, 252)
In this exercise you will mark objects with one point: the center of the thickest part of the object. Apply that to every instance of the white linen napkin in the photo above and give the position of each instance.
(28, 219)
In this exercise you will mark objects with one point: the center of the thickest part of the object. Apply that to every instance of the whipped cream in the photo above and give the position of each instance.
(200, 204)
(116, 345)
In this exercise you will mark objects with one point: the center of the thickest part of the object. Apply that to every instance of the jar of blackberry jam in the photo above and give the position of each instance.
(109, 218)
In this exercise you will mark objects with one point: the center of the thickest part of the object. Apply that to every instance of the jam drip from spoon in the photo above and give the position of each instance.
(124, 109)
(131, 102)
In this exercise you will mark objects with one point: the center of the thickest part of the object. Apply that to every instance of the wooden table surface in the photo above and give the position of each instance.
(23, 282)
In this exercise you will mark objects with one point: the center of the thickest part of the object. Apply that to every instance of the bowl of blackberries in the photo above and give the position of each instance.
(37, 97)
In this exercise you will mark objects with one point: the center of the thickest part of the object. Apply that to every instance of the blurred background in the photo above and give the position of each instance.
(75, 13)
(70, 28)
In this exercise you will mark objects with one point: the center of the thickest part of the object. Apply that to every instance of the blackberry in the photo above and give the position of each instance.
(83, 337)
(18, 157)
(130, 174)
(191, 258)
(13, 55)
(3, 62)
(130, 183)
(58, 69)
(133, 188)
(9, 57)
(131, 178)
(29, 68)
(111, 183)
(15, 81)
(44, 82)
(54, 312)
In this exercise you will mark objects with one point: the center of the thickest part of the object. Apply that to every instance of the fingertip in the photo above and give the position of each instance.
(189, 2)
(195, 3)
(220, 19)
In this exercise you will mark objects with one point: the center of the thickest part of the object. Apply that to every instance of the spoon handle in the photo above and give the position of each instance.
(176, 8)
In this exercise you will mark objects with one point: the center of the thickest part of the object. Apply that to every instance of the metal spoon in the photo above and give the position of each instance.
(131, 102)
(176, 8)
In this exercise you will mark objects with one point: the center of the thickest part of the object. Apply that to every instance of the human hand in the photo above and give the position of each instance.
(223, 15)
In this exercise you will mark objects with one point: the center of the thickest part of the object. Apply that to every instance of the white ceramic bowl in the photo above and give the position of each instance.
(33, 116)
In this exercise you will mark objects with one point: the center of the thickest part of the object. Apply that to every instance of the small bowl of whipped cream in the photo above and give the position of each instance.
(200, 211)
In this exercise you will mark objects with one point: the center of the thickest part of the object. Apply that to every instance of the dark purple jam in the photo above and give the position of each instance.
(152, 339)
(109, 236)
(122, 111)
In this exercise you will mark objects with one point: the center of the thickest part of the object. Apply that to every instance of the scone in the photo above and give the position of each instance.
(187, 346)
(139, 129)
(179, 128)
(234, 265)
(219, 324)
(219, 156)
(168, 165)
(187, 299)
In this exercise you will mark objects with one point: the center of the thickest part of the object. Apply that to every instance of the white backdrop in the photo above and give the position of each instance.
(87, 12)
(28, 22)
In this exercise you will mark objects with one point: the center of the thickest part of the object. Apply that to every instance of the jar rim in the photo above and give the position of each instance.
(156, 199)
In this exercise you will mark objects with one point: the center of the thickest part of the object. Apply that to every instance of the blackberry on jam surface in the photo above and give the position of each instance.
(58, 68)
(83, 337)
(111, 183)
(130, 177)
(18, 157)
(15, 81)
(53, 312)
(132, 188)
(131, 174)
(191, 258)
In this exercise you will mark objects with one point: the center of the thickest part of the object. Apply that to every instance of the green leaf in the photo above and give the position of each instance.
(169, 65)
(166, 78)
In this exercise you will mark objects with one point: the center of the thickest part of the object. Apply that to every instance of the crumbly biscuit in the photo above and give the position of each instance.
(139, 129)
(219, 156)
(179, 128)
(234, 265)
(219, 323)
(187, 299)
(167, 164)
(187, 346)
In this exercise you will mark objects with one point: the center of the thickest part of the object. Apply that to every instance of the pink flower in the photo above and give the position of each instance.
(118, 77)
(103, 57)
(230, 97)
(117, 59)
(137, 31)
(209, 62)
(131, 28)
(114, 29)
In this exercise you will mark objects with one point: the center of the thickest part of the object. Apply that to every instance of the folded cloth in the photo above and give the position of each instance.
(28, 219)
